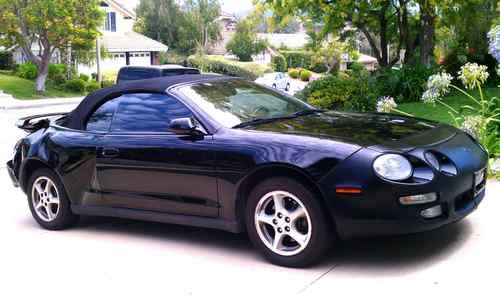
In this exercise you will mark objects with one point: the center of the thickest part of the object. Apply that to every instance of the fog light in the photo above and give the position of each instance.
(418, 199)
(432, 212)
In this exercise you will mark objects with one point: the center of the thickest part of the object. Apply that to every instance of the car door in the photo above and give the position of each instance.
(141, 165)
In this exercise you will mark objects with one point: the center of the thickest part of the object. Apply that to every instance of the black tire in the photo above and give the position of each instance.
(287, 87)
(322, 235)
(274, 86)
(64, 217)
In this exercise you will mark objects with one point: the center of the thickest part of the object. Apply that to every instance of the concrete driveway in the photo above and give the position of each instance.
(111, 256)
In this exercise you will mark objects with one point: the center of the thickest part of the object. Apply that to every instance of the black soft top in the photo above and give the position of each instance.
(77, 118)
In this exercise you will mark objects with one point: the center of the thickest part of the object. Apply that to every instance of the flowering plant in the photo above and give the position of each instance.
(387, 104)
(482, 116)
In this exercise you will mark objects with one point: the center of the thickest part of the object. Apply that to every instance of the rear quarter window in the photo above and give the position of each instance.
(137, 74)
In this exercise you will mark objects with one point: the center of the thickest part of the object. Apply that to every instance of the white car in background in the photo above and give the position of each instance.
(281, 82)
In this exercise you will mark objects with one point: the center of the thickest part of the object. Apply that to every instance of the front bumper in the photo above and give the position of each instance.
(12, 174)
(454, 210)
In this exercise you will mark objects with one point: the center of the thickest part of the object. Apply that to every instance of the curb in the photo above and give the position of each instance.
(14, 104)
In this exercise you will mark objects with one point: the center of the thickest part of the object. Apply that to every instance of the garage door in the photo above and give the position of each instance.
(140, 59)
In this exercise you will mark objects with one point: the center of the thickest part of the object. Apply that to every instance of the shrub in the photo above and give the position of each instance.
(75, 85)
(172, 57)
(57, 73)
(27, 71)
(294, 73)
(221, 67)
(92, 86)
(342, 91)
(305, 75)
(6, 61)
(406, 84)
(298, 59)
(84, 77)
(278, 63)
(107, 83)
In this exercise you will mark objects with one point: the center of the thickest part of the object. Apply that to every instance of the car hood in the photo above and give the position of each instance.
(378, 131)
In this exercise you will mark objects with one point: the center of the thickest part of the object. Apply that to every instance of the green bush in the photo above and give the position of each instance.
(75, 85)
(298, 59)
(172, 57)
(27, 71)
(57, 73)
(406, 84)
(294, 73)
(84, 77)
(278, 63)
(6, 61)
(92, 86)
(107, 83)
(352, 92)
(305, 75)
(221, 67)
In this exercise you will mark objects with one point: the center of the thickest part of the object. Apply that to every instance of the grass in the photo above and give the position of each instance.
(25, 89)
(439, 112)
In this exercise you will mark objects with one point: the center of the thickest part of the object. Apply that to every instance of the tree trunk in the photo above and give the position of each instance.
(43, 72)
(427, 19)
(384, 58)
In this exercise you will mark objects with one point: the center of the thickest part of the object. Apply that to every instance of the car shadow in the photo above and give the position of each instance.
(382, 255)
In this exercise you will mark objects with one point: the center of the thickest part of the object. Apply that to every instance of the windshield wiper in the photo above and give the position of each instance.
(262, 120)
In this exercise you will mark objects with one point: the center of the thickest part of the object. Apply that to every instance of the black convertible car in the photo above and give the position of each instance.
(224, 153)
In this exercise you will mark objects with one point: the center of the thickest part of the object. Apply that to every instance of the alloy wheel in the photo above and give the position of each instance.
(45, 199)
(283, 223)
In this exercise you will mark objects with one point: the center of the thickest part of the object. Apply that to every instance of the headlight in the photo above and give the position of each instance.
(393, 167)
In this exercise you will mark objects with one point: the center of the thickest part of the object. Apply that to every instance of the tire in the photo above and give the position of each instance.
(287, 87)
(48, 213)
(313, 227)
(274, 86)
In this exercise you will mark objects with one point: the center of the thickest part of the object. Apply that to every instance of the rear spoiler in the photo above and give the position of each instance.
(36, 122)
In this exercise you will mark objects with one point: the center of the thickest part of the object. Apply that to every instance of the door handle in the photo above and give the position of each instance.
(110, 152)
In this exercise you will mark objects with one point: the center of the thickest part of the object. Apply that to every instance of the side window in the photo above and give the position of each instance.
(100, 120)
(146, 112)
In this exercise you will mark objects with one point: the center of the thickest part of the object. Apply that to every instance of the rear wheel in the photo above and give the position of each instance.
(287, 87)
(48, 202)
(286, 223)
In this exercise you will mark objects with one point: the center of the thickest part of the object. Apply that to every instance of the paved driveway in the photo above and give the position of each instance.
(110, 256)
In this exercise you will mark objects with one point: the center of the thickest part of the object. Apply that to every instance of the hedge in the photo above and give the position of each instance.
(6, 61)
(302, 59)
(278, 63)
(221, 67)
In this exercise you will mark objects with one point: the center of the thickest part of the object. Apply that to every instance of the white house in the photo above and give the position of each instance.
(122, 44)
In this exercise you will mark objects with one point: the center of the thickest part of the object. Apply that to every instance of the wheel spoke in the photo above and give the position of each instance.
(278, 240)
(297, 213)
(38, 188)
(48, 187)
(265, 218)
(53, 199)
(278, 202)
(297, 236)
(38, 206)
(50, 215)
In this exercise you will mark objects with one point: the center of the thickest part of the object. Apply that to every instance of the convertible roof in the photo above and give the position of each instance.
(76, 119)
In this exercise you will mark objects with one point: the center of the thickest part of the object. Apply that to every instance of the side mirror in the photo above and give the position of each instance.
(184, 126)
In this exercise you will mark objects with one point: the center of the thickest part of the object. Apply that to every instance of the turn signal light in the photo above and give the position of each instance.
(348, 190)
(418, 199)
(432, 212)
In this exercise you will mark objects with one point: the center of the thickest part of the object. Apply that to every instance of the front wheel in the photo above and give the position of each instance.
(48, 202)
(286, 223)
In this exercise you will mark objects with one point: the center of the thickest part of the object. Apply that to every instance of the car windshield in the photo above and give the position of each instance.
(233, 102)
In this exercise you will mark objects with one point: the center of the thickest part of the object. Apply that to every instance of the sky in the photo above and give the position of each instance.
(238, 7)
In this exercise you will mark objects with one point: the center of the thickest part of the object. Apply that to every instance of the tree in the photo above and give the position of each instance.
(330, 53)
(183, 28)
(49, 24)
(245, 43)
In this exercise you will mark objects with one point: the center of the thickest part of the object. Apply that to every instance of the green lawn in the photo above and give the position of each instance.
(439, 112)
(25, 89)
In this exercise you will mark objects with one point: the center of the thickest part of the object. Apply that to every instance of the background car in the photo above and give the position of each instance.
(224, 153)
(281, 82)
(132, 73)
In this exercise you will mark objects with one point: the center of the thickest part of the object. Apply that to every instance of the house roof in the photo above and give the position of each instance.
(130, 41)
(125, 11)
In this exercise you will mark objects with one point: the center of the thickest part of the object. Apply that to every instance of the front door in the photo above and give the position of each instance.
(141, 165)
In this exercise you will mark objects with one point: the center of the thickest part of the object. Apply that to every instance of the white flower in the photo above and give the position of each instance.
(386, 104)
(474, 125)
(473, 75)
(430, 95)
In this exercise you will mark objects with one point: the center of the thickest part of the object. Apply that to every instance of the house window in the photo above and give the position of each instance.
(110, 23)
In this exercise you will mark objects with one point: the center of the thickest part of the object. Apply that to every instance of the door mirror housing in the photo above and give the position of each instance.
(184, 126)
